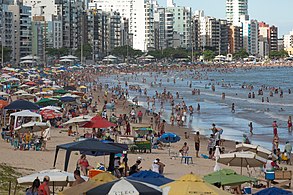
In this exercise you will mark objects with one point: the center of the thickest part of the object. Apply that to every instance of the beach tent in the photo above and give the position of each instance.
(91, 147)
(125, 186)
(273, 191)
(150, 177)
(227, 177)
(97, 180)
(260, 151)
(22, 105)
(191, 184)
(32, 127)
(242, 159)
(98, 122)
(22, 114)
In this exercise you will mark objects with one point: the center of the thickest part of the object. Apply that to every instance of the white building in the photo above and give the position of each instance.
(250, 35)
(288, 40)
(140, 15)
(234, 9)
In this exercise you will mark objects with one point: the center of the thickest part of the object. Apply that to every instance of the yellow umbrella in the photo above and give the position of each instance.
(82, 87)
(80, 189)
(191, 184)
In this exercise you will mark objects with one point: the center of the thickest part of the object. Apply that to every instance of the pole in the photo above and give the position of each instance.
(2, 39)
(81, 52)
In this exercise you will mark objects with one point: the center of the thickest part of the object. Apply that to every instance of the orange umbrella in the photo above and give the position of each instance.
(3, 104)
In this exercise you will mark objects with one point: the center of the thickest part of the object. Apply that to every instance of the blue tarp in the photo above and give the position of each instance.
(150, 177)
(273, 191)
(22, 105)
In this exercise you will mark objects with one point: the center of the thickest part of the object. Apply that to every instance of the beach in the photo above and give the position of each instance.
(213, 110)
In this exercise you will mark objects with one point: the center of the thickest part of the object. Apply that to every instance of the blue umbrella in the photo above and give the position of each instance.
(273, 191)
(67, 99)
(150, 177)
(22, 105)
(169, 138)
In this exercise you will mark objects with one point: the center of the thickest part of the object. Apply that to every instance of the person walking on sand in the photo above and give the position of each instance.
(196, 143)
(275, 128)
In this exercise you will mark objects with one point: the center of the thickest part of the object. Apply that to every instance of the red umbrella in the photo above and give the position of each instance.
(98, 122)
(31, 83)
(50, 114)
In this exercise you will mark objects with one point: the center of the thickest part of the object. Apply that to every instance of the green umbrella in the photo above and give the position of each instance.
(227, 177)
(47, 101)
(60, 91)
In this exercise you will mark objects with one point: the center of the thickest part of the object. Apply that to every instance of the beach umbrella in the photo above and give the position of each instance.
(21, 105)
(31, 83)
(60, 91)
(3, 103)
(169, 138)
(3, 94)
(26, 96)
(191, 184)
(67, 99)
(260, 151)
(78, 120)
(97, 180)
(98, 122)
(50, 114)
(242, 159)
(150, 177)
(273, 191)
(125, 186)
(24, 86)
(51, 108)
(32, 127)
(227, 177)
(20, 92)
(47, 101)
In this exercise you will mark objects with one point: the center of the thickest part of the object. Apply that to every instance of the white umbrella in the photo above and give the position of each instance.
(57, 177)
(260, 151)
(242, 159)
(66, 60)
(20, 92)
(24, 86)
(55, 108)
(12, 79)
(27, 96)
(217, 156)
(5, 75)
(78, 120)
(28, 62)
(3, 93)
(32, 127)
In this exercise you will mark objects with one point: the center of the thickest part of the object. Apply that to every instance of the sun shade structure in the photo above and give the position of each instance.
(150, 177)
(98, 122)
(32, 127)
(226, 177)
(260, 151)
(22, 105)
(191, 184)
(242, 159)
(91, 147)
(97, 180)
(125, 186)
(273, 191)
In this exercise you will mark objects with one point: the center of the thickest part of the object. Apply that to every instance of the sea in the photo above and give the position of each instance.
(236, 84)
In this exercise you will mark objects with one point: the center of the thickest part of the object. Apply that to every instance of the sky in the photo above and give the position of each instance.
(273, 12)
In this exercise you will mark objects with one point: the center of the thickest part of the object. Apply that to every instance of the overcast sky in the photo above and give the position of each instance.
(273, 12)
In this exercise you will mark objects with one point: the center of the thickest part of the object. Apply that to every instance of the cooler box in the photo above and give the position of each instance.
(270, 175)
(94, 172)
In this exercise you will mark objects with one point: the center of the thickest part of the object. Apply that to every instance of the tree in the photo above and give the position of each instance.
(240, 54)
(208, 55)
(122, 51)
(278, 54)
(54, 52)
(6, 53)
(158, 54)
(87, 51)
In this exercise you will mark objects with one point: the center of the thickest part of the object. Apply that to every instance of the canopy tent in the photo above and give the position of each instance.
(273, 191)
(93, 147)
(32, 127)
(97, 180)
(69, 57)
(150, 177)
(66, 60)
(28, 62)
(226, 177)
(22, 114)
(21, 105)
(30, 57)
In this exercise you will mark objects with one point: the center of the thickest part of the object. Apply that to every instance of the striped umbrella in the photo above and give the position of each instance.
(125, 186)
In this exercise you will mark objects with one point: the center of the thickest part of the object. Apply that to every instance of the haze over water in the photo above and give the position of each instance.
(218, 111)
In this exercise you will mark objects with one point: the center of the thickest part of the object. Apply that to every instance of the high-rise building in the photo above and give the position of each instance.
(288, 40)
(250, 36)
(273, 38)
(234, 9)
(264, 33)
(22, 35)
(42, 8)
(235, 39)
(140, 16)
(182, 24)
